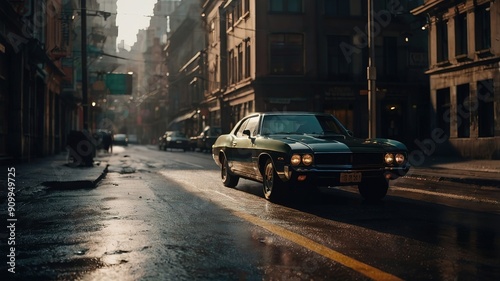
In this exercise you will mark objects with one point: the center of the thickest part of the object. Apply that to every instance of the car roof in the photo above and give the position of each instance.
(284, 113)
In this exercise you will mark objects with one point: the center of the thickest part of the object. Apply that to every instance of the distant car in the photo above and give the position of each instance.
(306, 150)
(193, 143)
(173, 139)
(133, 139)
(207, 138)
(120, 139)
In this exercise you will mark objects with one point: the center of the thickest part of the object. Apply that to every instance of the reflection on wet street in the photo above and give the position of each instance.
(169, 219)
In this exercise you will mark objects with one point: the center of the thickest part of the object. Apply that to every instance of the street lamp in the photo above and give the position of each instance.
(371, 72)
(85, 102)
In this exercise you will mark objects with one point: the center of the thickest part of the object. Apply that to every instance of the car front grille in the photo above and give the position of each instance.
(352, 159)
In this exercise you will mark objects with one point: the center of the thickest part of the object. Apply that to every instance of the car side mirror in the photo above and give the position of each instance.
(351, 134)
(247, 132)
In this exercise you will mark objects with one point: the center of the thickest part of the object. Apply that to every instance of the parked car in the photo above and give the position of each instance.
(207, 138)
(193, 143)
(133, 139)
(120, 139)
(173, 139)
(306, 150)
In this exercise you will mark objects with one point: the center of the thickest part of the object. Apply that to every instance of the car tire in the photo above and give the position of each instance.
(374, 190)
(228, 179)
(271, 184)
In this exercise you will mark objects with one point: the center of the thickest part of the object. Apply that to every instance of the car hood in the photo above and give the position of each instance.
(340, 143)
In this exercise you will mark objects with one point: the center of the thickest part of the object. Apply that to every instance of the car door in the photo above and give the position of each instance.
(243, 147)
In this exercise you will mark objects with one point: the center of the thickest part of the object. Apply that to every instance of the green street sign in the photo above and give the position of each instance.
(119, 84)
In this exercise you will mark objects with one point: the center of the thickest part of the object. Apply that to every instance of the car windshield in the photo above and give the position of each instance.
(176, 134)
(300, 124)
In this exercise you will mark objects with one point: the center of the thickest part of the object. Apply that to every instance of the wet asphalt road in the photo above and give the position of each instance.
(165, 216)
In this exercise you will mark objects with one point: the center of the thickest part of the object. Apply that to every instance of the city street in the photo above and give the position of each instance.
(110, 112)
(165, 215)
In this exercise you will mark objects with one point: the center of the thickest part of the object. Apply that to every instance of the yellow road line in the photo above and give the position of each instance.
(356, 265)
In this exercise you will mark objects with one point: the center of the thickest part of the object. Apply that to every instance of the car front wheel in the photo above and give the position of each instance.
(272, 185)
(228, 179)
(374, 190)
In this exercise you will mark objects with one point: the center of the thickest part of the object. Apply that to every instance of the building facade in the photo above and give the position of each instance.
(33, 40)
(312, 56)
(40, 72)
(185, 61)
(464, 71)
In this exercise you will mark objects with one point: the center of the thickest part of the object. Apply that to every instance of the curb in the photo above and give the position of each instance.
(471, 181)
(78, 184)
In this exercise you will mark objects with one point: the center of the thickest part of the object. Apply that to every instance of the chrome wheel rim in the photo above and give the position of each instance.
(268, 180)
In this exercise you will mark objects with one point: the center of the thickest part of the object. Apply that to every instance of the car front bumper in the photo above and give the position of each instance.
(337, 177)
(178, 144)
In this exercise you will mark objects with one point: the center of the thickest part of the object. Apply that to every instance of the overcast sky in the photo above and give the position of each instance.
(132, 15)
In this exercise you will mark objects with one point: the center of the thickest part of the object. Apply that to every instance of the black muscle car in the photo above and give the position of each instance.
(306, 150)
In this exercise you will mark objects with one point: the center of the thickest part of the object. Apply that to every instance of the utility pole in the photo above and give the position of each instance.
(85, 100)
(371, 72)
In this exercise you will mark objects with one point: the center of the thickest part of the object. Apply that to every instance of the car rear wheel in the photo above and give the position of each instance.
(272, 185)
(228, 179)
(373, 190)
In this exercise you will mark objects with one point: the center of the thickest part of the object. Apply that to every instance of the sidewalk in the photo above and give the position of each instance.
(478, 172)
(54, 171)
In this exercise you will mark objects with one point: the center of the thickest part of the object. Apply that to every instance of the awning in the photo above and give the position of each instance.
(182, 117)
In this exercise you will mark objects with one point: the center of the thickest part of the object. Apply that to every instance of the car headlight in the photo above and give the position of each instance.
(295, 160)
(389, 158)
(400, 158)
(307, 159)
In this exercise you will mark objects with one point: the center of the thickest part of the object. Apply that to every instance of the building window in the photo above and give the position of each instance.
(339, 66)
(237, 12)
(382, 5)
(443, 110)
(285, 6)
(239, 74)
(461, 34)
(390, 58)
(213, 33)
(337, 8)
(483, 27)
(214, 75)
(246, 6)
(442, 40)
(486, 113)
(229, 19)
(463, 111)
(247, 58)
(286, 54)
(230, 68)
